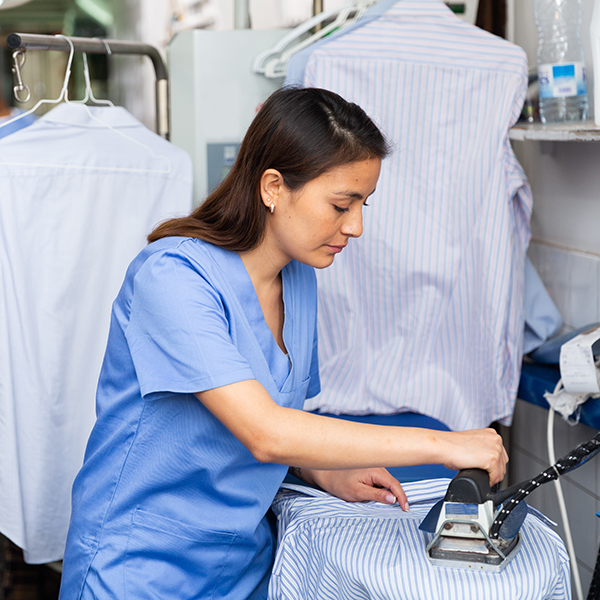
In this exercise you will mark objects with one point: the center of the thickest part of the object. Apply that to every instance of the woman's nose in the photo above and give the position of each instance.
(353, 224)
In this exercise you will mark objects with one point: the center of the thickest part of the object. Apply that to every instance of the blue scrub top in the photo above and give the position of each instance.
(168, 503)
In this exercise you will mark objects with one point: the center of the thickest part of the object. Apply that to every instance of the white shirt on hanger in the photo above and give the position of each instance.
(78, 197)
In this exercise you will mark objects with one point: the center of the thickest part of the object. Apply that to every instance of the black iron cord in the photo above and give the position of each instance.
(567, 463)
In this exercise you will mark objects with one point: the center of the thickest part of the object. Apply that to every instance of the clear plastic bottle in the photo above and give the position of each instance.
(561, 63)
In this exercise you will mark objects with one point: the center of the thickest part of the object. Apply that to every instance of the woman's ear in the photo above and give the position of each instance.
(271, 188)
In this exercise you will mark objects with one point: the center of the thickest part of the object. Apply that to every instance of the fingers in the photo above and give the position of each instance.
(499, 457)
(362, 485)
(390, 490)
(379, 495)
(479, 448)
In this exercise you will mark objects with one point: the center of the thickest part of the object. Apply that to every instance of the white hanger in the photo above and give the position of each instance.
(64, 96)
(264, 57)
(276, 67)
(89, 93)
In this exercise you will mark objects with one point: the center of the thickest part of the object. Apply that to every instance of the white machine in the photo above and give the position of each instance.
(214, 95)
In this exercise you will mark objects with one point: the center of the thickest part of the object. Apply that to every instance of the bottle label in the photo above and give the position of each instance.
(560, 81)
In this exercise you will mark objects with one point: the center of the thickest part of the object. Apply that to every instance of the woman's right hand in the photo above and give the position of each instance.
(477, 448)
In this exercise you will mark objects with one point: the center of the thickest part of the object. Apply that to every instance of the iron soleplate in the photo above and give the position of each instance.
(472, 553)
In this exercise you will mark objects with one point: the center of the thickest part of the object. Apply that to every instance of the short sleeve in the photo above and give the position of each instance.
(178, 331)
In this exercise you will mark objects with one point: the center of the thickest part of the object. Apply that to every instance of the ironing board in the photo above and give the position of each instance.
(331, 549)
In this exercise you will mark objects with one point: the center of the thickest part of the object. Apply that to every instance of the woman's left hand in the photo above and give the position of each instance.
(359, 485)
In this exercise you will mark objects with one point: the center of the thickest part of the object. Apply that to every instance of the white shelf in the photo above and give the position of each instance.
(582, 131)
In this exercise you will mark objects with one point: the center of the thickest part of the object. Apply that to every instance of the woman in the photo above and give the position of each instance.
(211, 354)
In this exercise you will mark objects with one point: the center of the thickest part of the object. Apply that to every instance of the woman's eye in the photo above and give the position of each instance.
(341, 209)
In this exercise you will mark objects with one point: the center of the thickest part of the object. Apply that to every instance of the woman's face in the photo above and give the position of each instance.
(315, 223)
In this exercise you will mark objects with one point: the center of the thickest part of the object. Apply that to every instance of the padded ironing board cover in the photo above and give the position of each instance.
(331, 549)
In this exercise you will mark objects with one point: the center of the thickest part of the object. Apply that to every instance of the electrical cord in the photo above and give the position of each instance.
(517, 493)
(561, 504)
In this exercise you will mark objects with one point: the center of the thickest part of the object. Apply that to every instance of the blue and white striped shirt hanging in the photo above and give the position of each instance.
(425, 312)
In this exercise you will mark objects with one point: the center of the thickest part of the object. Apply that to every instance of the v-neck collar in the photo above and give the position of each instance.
(280, 365)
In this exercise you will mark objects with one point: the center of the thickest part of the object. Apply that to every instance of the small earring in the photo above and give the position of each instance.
(272, 207)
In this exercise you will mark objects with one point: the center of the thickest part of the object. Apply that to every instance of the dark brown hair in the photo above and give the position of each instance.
(300, 132)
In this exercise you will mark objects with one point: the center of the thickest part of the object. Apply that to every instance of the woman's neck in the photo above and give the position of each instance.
(265, 274)
(263, 265)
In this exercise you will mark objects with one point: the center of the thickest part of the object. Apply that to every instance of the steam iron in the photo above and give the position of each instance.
(462, 522)
(479, 530)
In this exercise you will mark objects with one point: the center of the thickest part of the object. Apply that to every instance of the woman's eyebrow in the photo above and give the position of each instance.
(352, 194)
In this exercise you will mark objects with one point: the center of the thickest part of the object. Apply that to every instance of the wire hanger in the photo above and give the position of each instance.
(89, 94)
(273, 62)
(63, 92)
(263, 58)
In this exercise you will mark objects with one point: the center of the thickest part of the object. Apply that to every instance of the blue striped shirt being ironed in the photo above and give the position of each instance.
(329, 549)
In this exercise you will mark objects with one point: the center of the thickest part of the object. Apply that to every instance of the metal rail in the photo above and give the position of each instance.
(30, 41)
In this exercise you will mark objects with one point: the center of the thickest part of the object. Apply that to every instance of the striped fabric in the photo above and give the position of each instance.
(331, 549)
(425, 312)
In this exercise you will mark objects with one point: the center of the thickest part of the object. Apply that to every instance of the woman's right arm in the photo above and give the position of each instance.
(293, 437)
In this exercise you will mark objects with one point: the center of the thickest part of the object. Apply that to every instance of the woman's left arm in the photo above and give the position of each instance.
(356, 485)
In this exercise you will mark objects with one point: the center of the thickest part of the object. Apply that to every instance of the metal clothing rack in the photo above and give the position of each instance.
(20, 42)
